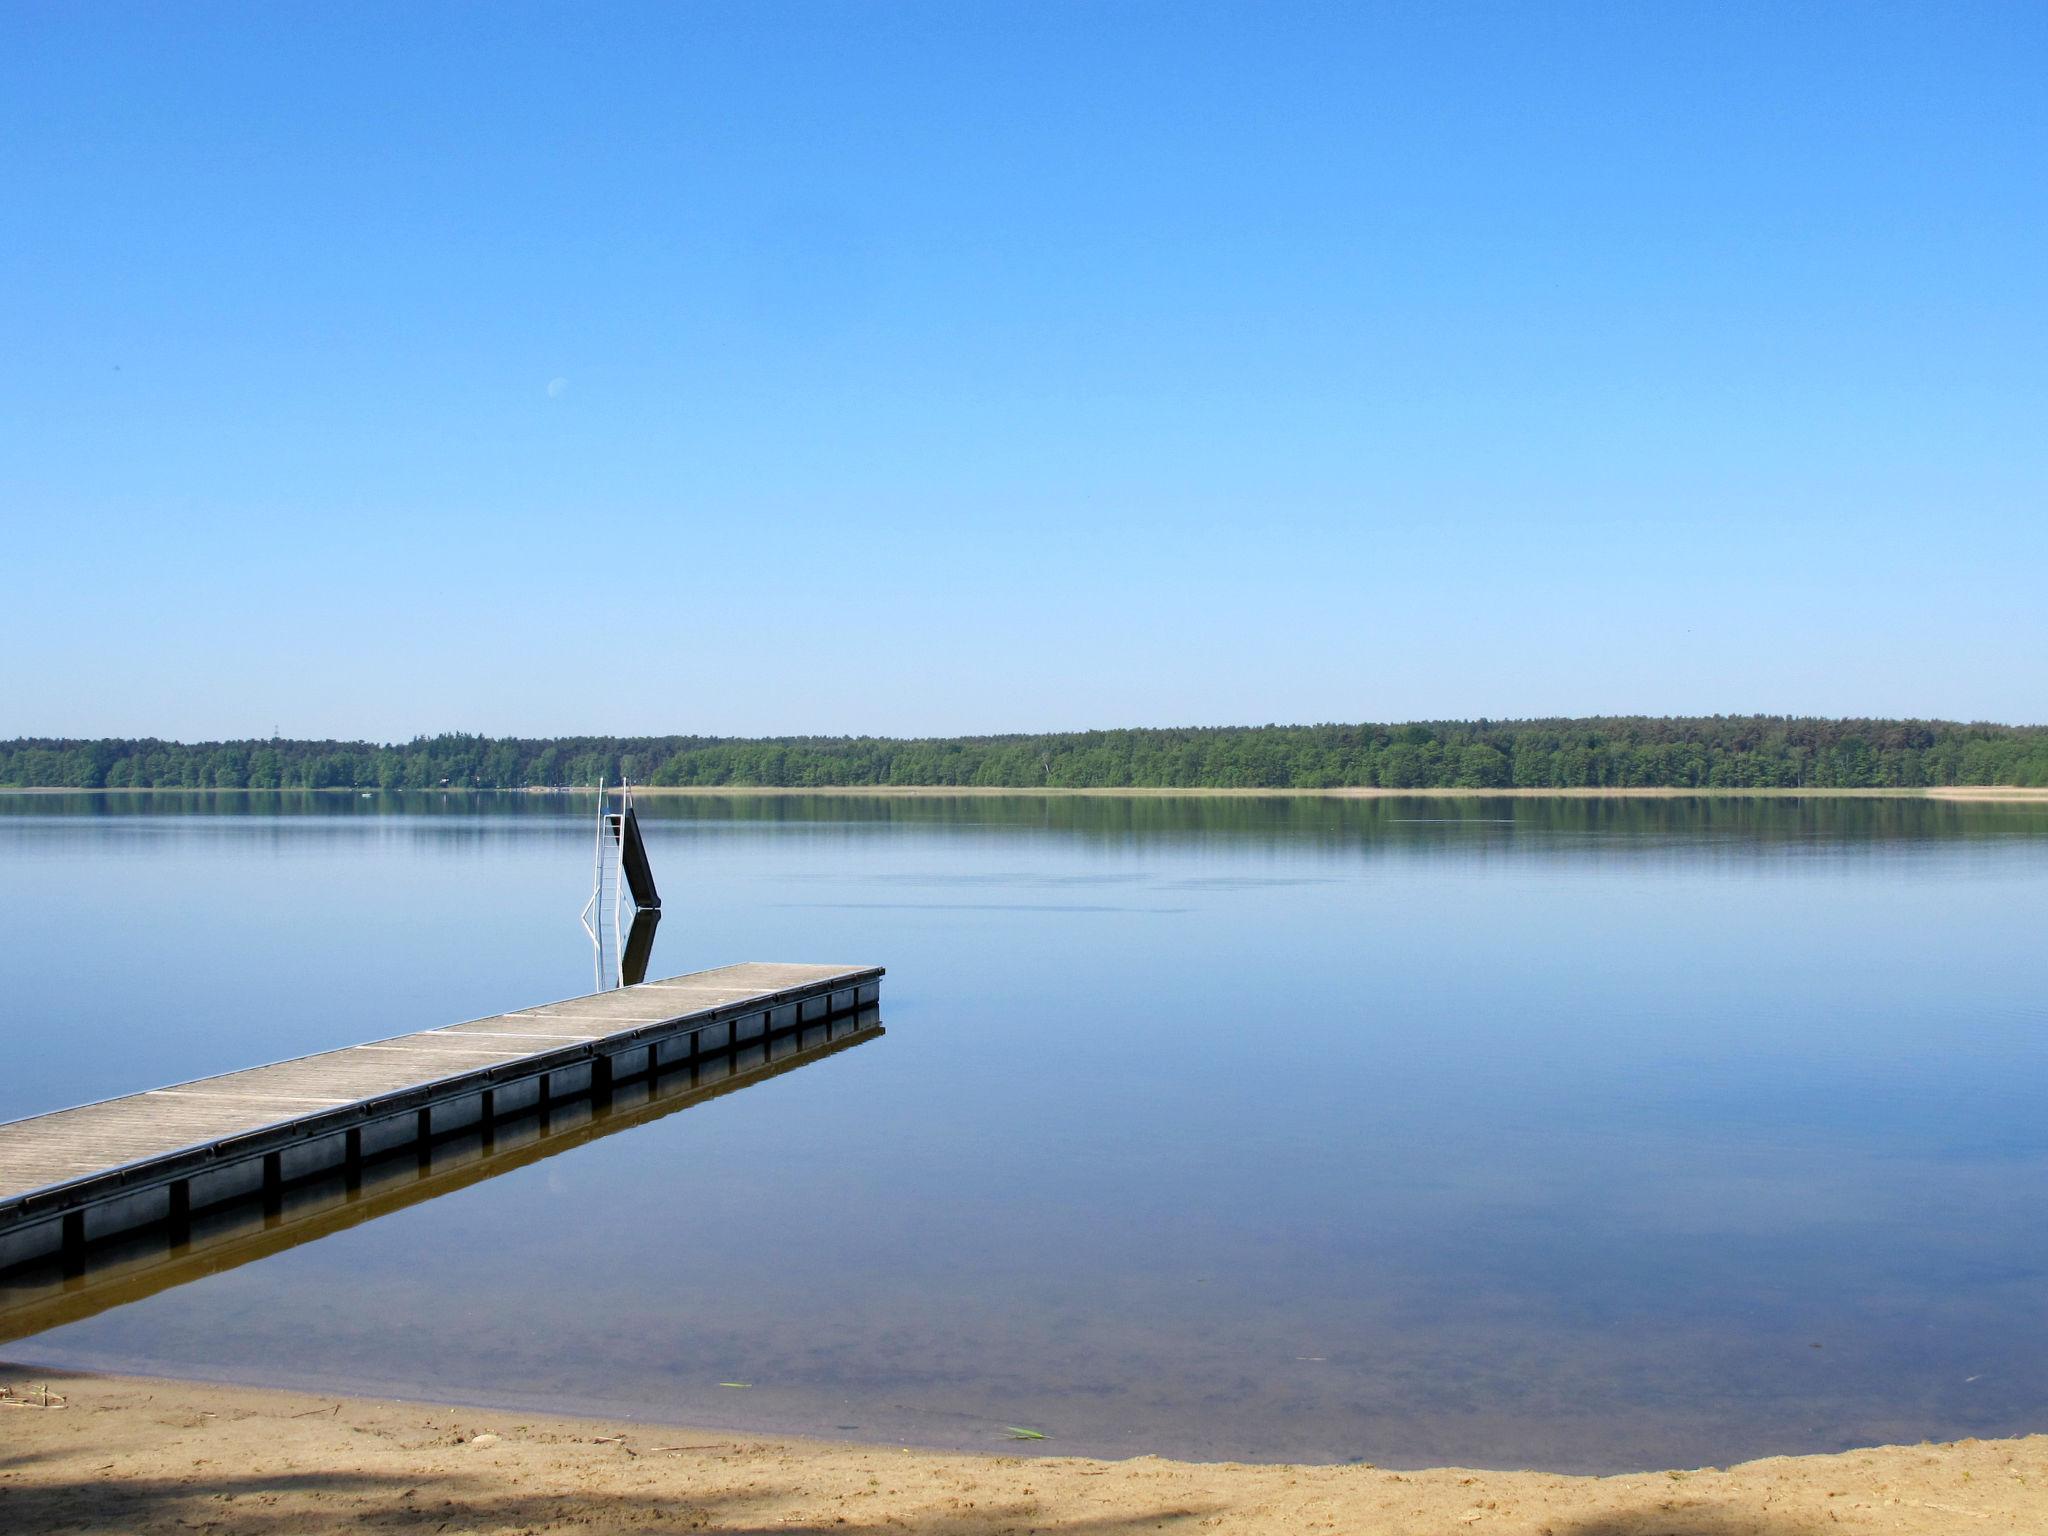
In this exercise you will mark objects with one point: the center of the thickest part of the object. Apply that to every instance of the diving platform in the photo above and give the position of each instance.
(75, 1178)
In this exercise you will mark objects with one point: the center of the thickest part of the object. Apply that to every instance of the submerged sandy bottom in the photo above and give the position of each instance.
(89, 1453)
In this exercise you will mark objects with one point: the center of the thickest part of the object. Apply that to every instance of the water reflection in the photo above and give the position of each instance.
(1395, 821)
(1433, 1130)
(639, 946)
(211, 1242)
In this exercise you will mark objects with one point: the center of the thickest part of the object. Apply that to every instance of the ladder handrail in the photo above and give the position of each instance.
(604, 920)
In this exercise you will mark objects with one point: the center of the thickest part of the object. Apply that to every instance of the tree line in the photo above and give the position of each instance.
(1716, 752)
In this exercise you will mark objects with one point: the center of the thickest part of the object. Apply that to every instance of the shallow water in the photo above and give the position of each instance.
(1585, 1134)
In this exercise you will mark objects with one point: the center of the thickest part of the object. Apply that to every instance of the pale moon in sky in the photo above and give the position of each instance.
(557, 388)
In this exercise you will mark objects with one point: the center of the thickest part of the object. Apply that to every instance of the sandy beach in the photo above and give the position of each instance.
(92, 1453)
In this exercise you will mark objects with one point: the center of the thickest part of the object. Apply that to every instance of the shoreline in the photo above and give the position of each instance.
(1996, 793)
(148, 1454)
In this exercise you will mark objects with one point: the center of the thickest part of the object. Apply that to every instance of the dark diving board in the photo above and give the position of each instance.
(633, 857)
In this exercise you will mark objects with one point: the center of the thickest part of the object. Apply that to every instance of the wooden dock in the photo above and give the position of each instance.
(40, 1296)
(77, 1177)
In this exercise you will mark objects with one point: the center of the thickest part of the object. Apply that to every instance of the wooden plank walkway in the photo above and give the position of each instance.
(40, 1297)
(76, 1175)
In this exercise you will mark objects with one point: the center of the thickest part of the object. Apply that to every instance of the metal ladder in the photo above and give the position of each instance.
(607, 890)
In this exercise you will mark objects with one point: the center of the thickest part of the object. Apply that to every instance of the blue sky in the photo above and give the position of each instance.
(928, 368)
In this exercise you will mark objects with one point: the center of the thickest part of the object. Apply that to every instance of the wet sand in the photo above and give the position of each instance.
(96, 1453)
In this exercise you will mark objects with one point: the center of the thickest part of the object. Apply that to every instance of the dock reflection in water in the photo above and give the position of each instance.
(226, 1237)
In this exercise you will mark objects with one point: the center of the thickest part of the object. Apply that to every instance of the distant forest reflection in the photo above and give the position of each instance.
(1393, 820)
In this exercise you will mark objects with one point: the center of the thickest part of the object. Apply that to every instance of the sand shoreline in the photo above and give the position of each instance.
(141, 1454)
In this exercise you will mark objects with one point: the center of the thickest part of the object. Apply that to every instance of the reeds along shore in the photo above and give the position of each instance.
(128, 1454)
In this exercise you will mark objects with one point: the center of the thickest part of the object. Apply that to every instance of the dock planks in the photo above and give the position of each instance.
(39, 1297)
(76, 1175)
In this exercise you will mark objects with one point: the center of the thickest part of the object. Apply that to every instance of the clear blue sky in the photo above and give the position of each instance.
(369, 370)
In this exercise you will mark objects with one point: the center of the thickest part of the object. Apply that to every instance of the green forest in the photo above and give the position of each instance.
(1717, 752)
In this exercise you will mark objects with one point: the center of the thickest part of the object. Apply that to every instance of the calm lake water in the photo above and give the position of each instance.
(1584, 1134)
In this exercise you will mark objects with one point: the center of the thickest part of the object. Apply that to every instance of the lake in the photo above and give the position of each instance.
(1589, 1134)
